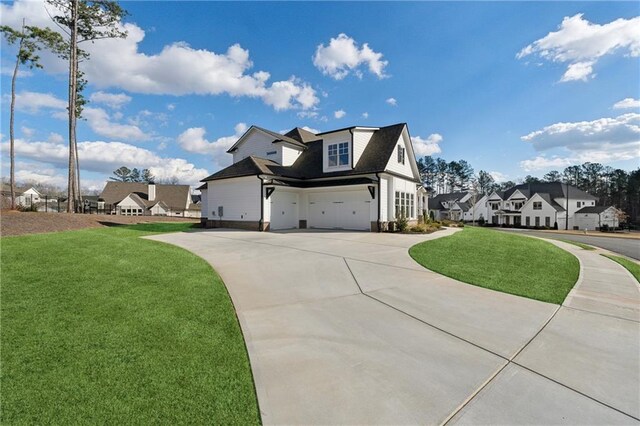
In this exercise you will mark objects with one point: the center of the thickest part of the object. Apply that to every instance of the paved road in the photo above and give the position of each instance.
(345, 328)
(626, 246)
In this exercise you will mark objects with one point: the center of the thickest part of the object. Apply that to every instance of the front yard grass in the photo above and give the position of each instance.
(501, 261)
(632, 267)
(102, 327)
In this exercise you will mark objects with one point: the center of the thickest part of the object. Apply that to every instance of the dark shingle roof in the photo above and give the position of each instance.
(593, 209)
(549, 199)
(435, 203)
(309, 164)
(301, 135)
(174, 196)
(554, 189)
(277, 137)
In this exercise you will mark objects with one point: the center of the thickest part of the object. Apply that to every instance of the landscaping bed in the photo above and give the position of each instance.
(101, 326)
(504, 262)
(20, 223)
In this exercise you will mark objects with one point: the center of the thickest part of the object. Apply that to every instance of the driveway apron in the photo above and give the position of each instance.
(344, 327)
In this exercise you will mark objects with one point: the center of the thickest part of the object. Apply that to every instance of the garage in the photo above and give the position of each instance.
(340, 210)
(284, 210)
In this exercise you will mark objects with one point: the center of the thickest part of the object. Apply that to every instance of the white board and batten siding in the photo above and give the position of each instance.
(361, 138)
(261, 145)
(546, 211)
(239, 197)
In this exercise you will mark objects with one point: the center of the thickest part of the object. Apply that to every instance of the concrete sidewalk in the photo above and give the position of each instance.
(345, 327)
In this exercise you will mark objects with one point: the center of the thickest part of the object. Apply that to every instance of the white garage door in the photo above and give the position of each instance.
(284, 210)
(340, 210)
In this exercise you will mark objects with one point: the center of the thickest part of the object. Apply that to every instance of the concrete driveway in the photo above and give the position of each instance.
(344, 327)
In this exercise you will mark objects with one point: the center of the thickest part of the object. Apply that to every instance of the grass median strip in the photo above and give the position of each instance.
(100, 326)
(501, 261)
(632, 267)
(576, 243)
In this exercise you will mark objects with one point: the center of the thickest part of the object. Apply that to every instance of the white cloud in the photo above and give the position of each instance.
(311, 129)
(499, 177)
(8, 71)
(339, 113)
(603, 140)
(627, 103)
(55, 138)
(104, 157)
(177, 69)
(307, 114)
(581, 44)
(100, 123)
(428, 146)
(33, 102)
(392, 101)
(193, 140)
(578, 71)
(112, 100)
(342, 56)
(171, 107)
(365, 115)
(541, 162)
(27, 132)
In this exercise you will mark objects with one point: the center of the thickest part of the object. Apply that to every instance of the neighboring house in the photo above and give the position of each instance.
(595, 217)
(458, 206)
(28, 195)
(358, 178)
(549, 204)
(138, 199)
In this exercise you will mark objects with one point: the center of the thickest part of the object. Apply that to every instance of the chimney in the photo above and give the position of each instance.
(152, 191)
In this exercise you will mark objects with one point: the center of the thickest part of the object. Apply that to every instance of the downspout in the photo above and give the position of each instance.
(261, 222)
(379, 203)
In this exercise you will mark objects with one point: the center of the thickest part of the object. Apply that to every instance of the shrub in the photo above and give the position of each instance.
(481, 221)
(402, 222)
(30, 208)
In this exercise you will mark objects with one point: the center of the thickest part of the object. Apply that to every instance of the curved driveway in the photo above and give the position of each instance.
(344, 327)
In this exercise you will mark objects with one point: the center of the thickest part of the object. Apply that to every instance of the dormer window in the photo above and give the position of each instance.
(338, 154)
(400, 154)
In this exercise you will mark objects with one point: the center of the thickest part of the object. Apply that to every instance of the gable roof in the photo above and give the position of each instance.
(308, 165)
(550, 201)
(301, 135)
(554, 189)
(435, 203)
(277, 137)
(174, 196)
(593, 209)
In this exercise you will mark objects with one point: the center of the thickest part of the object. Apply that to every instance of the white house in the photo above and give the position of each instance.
(140, 199)
(547, 204)
(592, 218)
(458, 206)
(357, 178)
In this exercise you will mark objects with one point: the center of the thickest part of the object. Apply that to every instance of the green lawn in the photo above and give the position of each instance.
(632, 267)
(502, 261)
(576, 243)
(100, 326)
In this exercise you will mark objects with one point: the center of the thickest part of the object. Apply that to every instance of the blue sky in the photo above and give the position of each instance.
(514, 88)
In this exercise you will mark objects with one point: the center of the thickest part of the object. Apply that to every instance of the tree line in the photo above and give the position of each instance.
(78, 21)
(612, 186)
